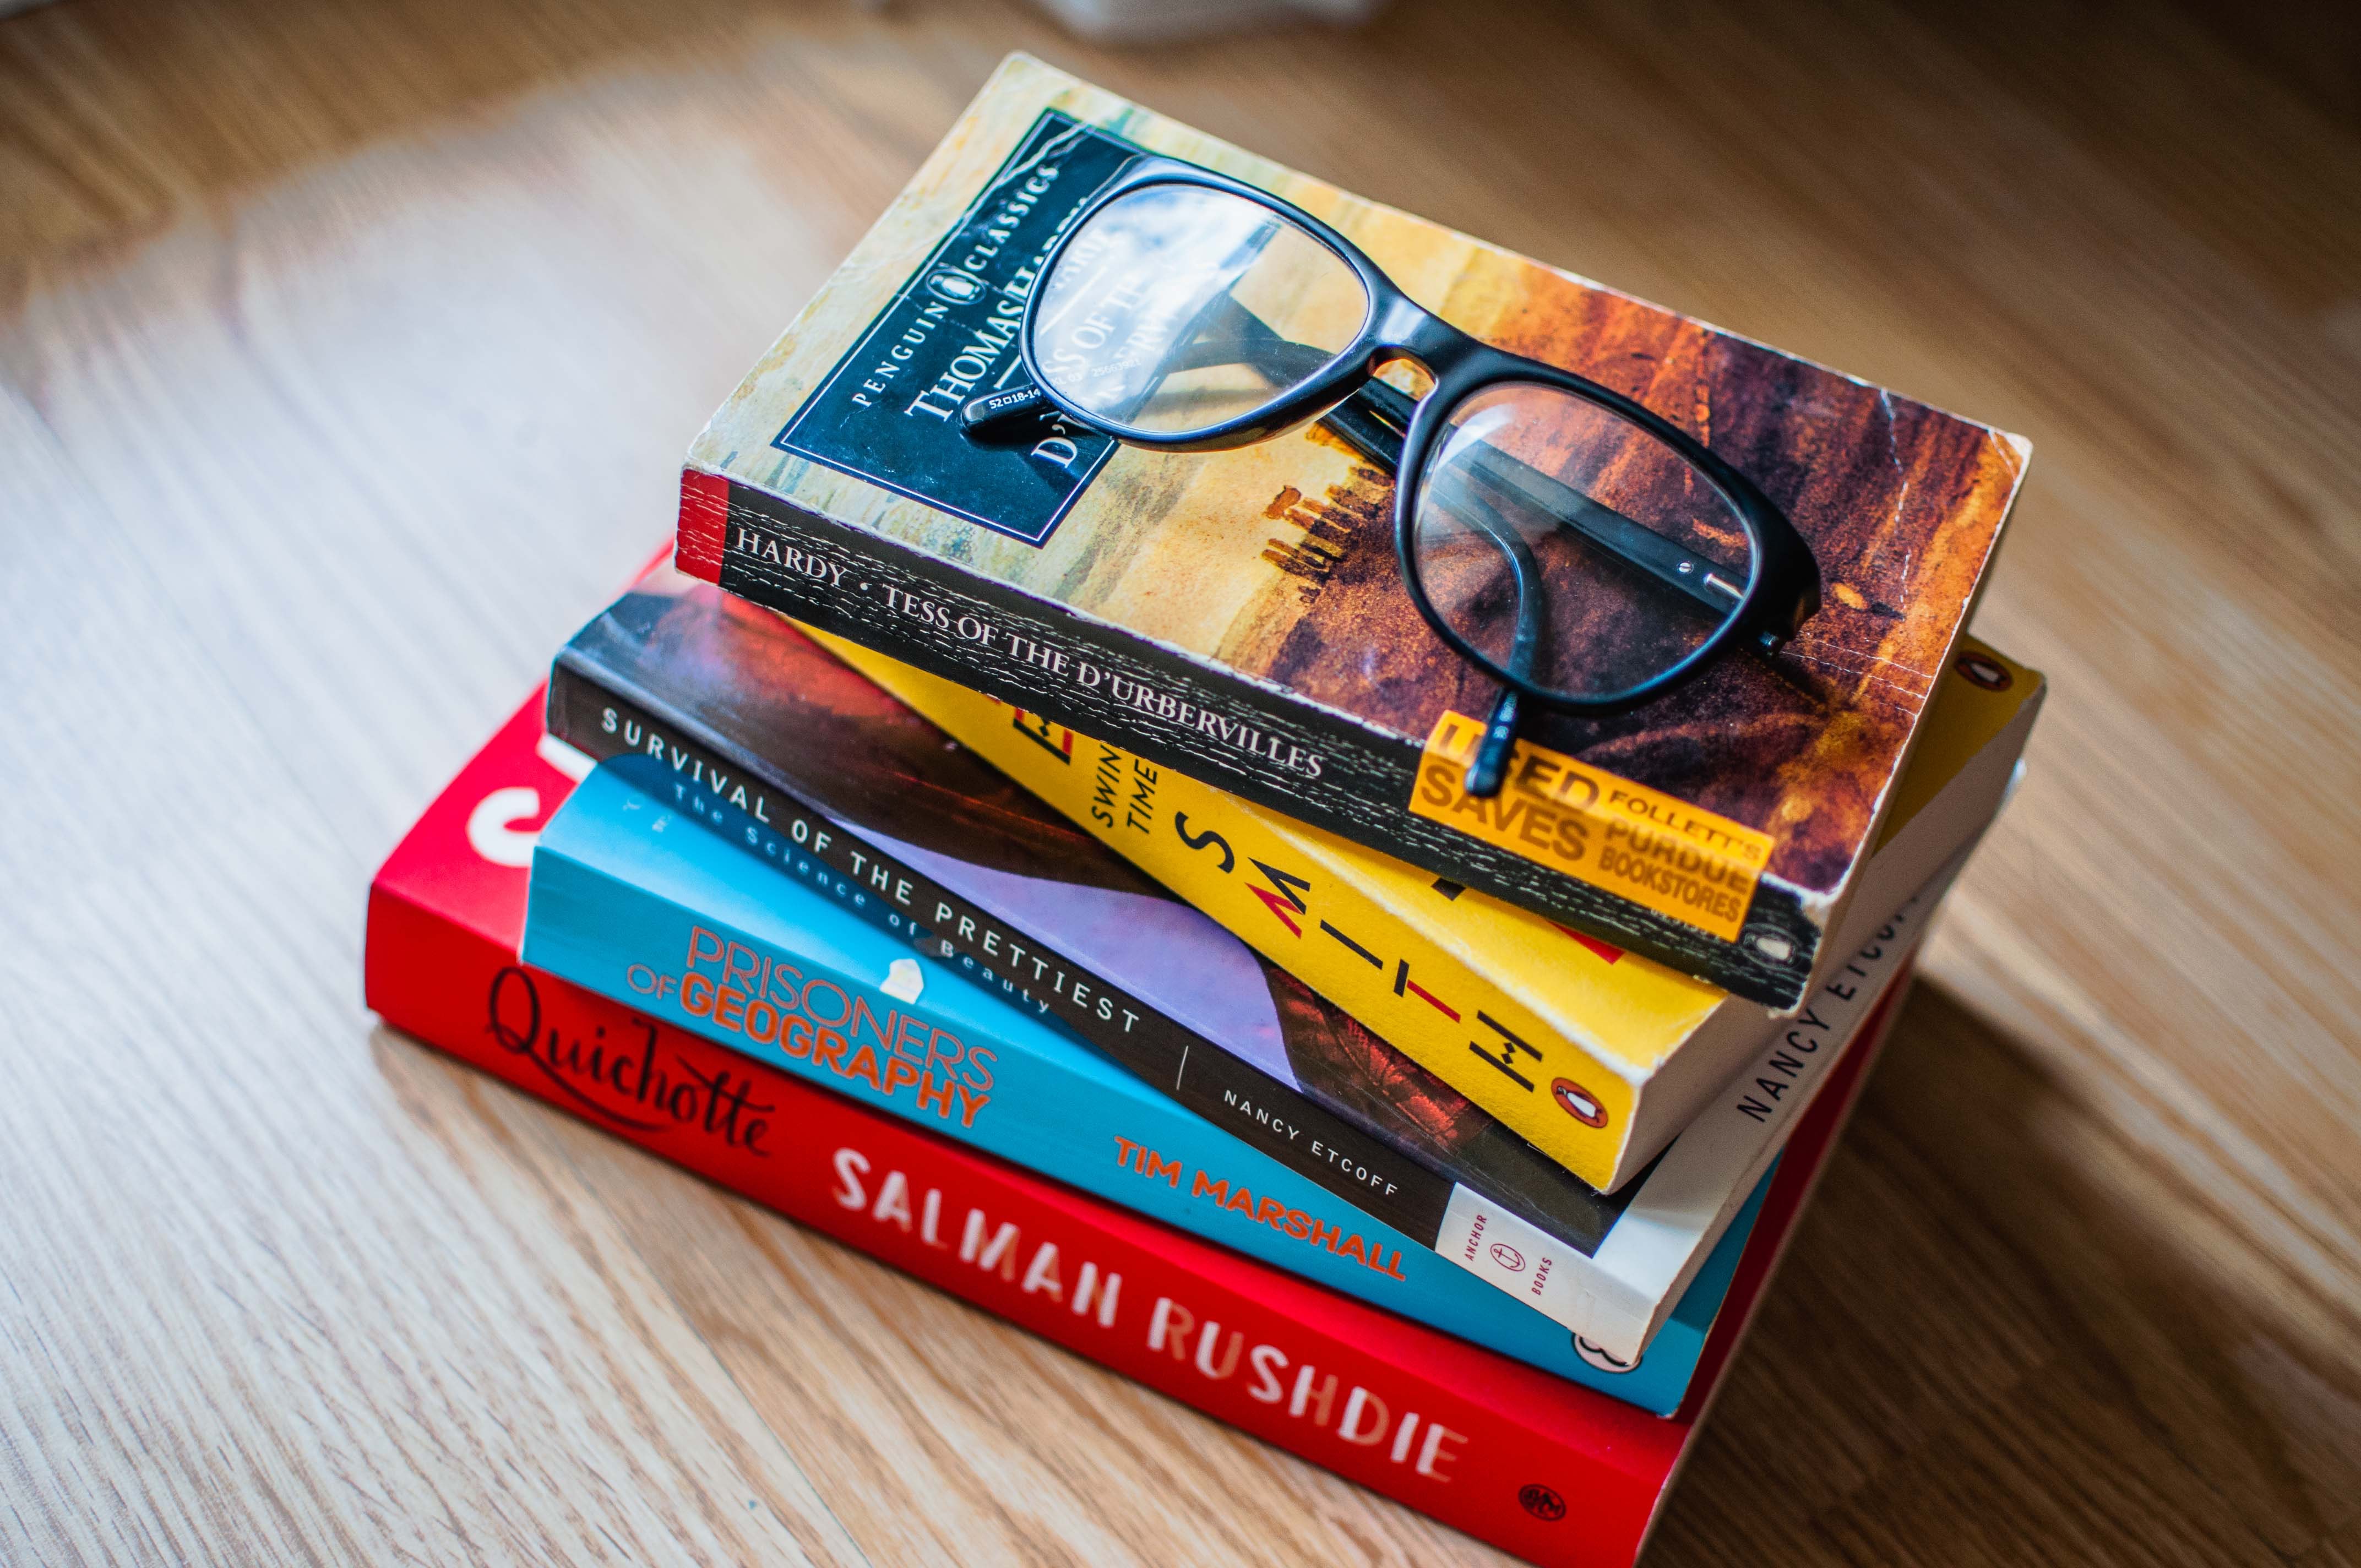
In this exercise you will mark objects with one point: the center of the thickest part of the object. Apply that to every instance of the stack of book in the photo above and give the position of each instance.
(1050, 867)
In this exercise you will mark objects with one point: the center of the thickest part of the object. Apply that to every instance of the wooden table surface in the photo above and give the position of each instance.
(346, 355)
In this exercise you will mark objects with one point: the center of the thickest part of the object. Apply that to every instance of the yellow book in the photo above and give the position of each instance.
(1596, 1055)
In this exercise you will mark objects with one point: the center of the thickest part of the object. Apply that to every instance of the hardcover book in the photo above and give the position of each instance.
(1594, 1056)
(641, 902)
(1528, 1461)
(796, 758)
(1237, 617)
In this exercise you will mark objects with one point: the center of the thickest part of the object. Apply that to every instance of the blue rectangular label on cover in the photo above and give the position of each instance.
(888, 413)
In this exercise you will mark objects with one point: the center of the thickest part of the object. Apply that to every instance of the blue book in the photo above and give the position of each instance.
(643, 904)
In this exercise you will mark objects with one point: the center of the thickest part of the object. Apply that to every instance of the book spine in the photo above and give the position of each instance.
(781, 832)
(1245, 736)
(1223, 857)
(1372, 1400)
(718, 782)
(1105, 1132)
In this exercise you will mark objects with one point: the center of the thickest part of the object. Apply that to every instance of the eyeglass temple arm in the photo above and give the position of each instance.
(1238, 336)
(1488, 768)
(1377, 417)
(1374, 420)
(1226, 333)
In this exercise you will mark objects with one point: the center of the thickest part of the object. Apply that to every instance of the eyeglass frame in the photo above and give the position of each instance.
(1781, 593)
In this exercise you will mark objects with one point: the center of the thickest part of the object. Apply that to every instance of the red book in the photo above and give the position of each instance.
(1538, 1466)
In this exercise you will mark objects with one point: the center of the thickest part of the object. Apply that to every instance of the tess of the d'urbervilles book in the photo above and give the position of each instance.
(1236, 615)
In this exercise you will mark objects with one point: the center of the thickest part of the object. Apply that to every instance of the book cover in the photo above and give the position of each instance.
(769, 737)
(1594, 1056)
(794, 757)
(1237, 617)
(1528, 1461)
(640, 902)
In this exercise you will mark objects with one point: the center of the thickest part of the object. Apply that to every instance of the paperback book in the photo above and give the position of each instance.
(1514, 1456)
(639, 900)
(1237, 617)
(794, 758)
(1594, 1056)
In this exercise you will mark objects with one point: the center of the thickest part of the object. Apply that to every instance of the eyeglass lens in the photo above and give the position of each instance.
(1177, 309)
(1569, 546)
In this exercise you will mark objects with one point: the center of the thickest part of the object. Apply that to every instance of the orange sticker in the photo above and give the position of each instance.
(1637, 843)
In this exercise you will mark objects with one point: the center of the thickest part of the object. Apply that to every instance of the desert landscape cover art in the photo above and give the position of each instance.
(1276, 561)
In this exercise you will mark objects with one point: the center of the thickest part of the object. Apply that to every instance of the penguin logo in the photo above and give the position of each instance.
(1989, 673)
(953, 288)
(1578, 1102)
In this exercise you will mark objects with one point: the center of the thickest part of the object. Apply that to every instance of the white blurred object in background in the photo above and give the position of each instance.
(1141, 21)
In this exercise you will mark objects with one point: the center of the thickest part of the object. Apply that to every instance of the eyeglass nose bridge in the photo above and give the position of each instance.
(1406, 330)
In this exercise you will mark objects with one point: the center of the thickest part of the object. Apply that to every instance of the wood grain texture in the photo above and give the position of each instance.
(345, 357)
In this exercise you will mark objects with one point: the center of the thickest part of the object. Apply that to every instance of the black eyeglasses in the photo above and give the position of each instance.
(1578, 548)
